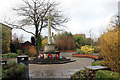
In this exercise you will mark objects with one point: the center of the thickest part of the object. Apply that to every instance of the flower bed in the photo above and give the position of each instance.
(86, 55)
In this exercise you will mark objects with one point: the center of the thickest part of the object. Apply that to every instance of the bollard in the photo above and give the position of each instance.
(24, 59)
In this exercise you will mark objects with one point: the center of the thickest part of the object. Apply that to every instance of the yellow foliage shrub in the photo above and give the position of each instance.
(109, 45)
(45, 41)
(87, 49)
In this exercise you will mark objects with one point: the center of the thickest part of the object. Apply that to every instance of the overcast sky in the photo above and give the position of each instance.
(85, 15)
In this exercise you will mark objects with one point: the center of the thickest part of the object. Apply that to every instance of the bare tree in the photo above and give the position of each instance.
(34, 12)
(114, 21)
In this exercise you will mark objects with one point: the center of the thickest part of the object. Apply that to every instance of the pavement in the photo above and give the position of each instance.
(57, 71)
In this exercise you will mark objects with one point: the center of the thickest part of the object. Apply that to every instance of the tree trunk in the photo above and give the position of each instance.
(37, 46)
(36, 40)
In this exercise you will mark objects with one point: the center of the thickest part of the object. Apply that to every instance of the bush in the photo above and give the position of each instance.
(65, 41)
(87, 49)
(85, 74)
(79, 40)
(65, 44)
(44, 42)
(79, 51)
(19, 52)
(96, 49)
(100, 63)
(5, 56)
(9, 55)
(32, 50)
(104, 74)
(12, 55)
(110, 47)
(26, 51)
(13, 71)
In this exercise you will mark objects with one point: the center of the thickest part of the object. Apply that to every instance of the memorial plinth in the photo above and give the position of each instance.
(49, 48)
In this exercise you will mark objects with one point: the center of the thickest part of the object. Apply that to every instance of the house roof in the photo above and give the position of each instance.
(26, 43)
(6, 25)
(80, 34)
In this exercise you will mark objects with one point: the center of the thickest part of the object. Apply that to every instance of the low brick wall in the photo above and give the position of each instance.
(67, 50)
(86, 55)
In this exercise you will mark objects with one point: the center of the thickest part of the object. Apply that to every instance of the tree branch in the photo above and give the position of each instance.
(27, 31)
(18, 27)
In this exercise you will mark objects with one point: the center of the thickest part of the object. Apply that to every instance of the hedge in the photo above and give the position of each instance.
(86, 74)
(10, 55)
(13, 71)
(105, 74)
(100, 63)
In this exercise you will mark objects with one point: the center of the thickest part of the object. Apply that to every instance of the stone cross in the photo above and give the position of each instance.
(49, 28)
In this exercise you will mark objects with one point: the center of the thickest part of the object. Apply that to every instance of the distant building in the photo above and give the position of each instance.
(83, 35)
(28, 47)
(6, 29)
(6, 37)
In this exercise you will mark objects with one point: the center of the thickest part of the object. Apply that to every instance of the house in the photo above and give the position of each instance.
(6, 33)
(6, 29)
(28, 48)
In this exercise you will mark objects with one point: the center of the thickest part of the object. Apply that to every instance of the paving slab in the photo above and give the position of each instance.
(60, 71)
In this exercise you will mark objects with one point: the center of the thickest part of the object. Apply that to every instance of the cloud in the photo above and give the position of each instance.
(90, 14)
(84, 14)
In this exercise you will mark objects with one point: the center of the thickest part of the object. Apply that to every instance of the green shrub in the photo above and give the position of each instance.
(104, 74)
(9, 55)
(26, 51)
(85, 74)
(100, 63)
(12, 55)
(5, 56)
(35, 55)
(79, 51)
(19, 52)
(96, 49)
(14, 71)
